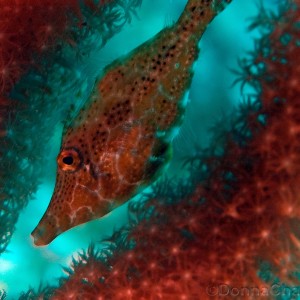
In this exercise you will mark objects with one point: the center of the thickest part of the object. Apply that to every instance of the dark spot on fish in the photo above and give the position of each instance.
(93, 172)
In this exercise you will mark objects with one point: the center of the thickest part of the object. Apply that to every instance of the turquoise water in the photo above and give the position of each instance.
(211, 95)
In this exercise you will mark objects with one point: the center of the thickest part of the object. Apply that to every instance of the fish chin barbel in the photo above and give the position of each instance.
(121, 138)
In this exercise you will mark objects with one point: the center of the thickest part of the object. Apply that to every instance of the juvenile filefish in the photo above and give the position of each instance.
(121, 137)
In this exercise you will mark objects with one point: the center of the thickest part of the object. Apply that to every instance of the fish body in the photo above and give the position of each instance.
(121, 137)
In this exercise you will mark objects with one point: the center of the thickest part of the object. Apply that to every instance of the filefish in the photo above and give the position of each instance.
(121, 138)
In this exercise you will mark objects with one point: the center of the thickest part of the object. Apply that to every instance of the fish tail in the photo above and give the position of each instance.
(199, 13)
(219, 5)
(215, 5)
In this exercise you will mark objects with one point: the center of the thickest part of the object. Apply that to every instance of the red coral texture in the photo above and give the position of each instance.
(247, 213)
(27, 29)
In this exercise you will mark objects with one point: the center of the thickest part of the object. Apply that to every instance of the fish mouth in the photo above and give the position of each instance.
(38, 236)
(45, 232)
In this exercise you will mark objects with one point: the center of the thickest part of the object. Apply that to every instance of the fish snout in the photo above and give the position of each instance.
(45, 232)
(37, 235)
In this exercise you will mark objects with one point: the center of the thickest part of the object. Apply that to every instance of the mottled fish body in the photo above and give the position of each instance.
(121, 137)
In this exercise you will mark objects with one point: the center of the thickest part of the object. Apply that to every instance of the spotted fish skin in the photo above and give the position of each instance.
(121, 137)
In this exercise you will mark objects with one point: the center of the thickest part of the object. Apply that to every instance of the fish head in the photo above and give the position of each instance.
(76, 198)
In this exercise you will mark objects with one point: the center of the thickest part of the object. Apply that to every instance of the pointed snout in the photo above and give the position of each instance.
(38, 236)
(64, 213)
(46, 231)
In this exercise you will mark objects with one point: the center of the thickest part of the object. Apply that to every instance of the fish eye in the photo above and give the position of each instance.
(69, 159)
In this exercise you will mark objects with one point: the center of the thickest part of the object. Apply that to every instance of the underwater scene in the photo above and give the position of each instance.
(149, 149)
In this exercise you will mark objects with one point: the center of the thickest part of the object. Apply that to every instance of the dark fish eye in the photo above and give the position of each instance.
(69, 159)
